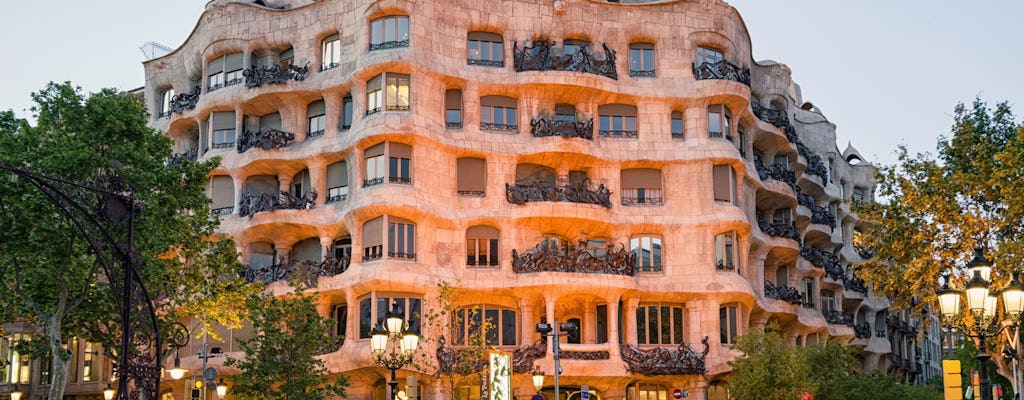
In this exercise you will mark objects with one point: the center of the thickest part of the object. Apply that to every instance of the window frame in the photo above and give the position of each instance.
(379, 32)
(723, 117)
(463, 315)
(732, 185)
(677, 335)
(413, 319)
(681, 133)
(727, 255)
(728, 323)
(330, 52)
(709, 55)
(165, 103)
(611, 118)
(656, 260)
(347, 112)
(401, 236)
(394, 88)
(642, 56)
(496, 49)
(493, 107)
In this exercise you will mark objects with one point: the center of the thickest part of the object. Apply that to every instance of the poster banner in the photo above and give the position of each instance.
(500, 375)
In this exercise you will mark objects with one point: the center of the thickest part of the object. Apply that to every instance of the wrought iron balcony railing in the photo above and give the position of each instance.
(837, 317)
(546, 126)
(190, 154)
(862, 330)
(574, 193)
(865, 252)
(486, 63)
(821, 258)
(402, 256)
(307, 271)
(661, 361)
(276, 74)
(184, 101)
(641, 73)
(483, 261)
(250, 204)
(777, 172)
(544, 258)
(644, 197)
(782, 292)
(721, 69)
(618, 134)
(391, 44)
(855, 284)
(508, 128)
(373, 181)
(266, 139)
(779, 118)
(779, 229)
(540, 57)
(222, 211)
(585, 355)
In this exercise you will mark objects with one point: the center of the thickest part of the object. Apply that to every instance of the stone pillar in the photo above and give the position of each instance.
(588, 334)
(284, 182)
(526, 318)
(694, 326)
(613, 326)
(282, 253)
(239, 183)
(630, 320)
(332, 114)
(318, 181)
(695, 122)
(326, 243)
(352, 324)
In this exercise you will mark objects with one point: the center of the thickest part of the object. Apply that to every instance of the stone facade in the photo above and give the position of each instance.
(708, 167)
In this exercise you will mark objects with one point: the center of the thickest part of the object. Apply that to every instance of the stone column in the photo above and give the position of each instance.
(318, 181)
(613, 326)
(526, 318)
(589, 329)
(630, 320)
(239, 183)
(284, 182)
(282, 253)
(325, 247)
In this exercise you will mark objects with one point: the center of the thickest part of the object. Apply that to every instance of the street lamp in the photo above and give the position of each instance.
(205, 354)
(222, 389)
(547, 330)
(404, 343)
(982, 306)
(108, 393)
(538, 379)
(16, 395)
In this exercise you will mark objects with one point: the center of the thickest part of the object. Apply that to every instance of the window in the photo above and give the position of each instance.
(389, 32)
(782, 275)
(498, 113)
(565, 112)
(808, 293)
(828, 301)
(647, 250)
(330, 52)
(261, 254)
(388, 91)
(641, 186)
(453, 108)
(224, 71)
(301, 184)
(398, 166)
(659, 324)
(554, 244)
(165, 103)
(340, 314)
(485, 48)
(342, 248)
(677, 125)
(482, 246)
(346, 113)
(859, 195)
(375, 167)
(724, 183)
(602, 323)
(719, 119)
(725, 251)
(842, 190)
(222, 125)
(741, 144)
(14, 365)
(222, 194)
(315, 118)
(782, 216)
(401, 239)
(373, 308)
(708, 55)
(286, 57)
(647, 391)
(781, 160)
(90, 365)
(373, 239)
(617, 120)
(270, 121)
(573, 46)
(337, 182)
(496, 324)
(641, 59)
(727, 324)
(574, 336)
(472, 177)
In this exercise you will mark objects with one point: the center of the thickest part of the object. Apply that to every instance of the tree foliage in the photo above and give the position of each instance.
(49, 275)
(933, 211)
(462, 328)
(281, 358)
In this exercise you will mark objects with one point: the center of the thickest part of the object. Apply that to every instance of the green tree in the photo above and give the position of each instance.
(462, 330)
(49, 275)
(281, 358)
(769, 369)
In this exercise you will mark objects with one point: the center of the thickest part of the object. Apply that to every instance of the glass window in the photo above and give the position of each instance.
(496, 324)
(330, 52)
(401, 240)
(315, 118)
(374, 170)
(482, 246)
(397, 92)
(641, 59)
(342, 248)
(677, 124)
(641, 186)
(224, 71)
(725, 251)
(647, 250)
(828, 301)
(724, 180)
(471, 179)
(337, 182)
(498, 113)
(659, 324)
(340, 320)
(709, 55)
(782, 216)
(389, 32)
(165, 102)
(453, 108)
(647, 391)
(727, 324)
(346, 113)
(808, 293)
(602, 323)
(373, 308)
(261, 254)
(617, 120)
(719, 120)
(485, 48)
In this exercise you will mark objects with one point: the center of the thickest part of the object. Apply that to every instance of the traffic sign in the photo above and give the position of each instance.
(585, 392)
(677, 394)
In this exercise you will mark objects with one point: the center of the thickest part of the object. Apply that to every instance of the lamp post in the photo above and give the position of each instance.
(207, 353)
(981, 306)
(538, 379)
(222, 389)
(548, 330)
(404, 343)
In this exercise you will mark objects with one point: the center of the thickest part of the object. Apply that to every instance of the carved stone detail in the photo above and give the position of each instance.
(544, 258)
(265, 139)
(539, 57)
(661, 361)
(523, 357)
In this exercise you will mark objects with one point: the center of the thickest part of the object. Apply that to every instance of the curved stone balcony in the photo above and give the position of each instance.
(544, 258)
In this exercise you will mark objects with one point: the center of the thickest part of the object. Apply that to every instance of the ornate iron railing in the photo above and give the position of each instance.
(488, 126)
(266, 139)
(779, 229)
(819, 214)
(777, 172)
(782, 292)
(820, 258)
(837, 317)
(779, 118)
(190, 154)
(373, 181)
(574, 193)
(641, 73)
(543, 258)
(618, 134)
(651, 197)
(523, 357)
(723, 266)
(398, 255)
(307, 271)
(335, 344)
(585, 355)
(660, 361)
(486, 63)
(392, 44)
(862, 330)
(539, 57)
(276, 74)
(865, 252)
(184, 101)
(721, 69)
(222, 211)
(545, 126)
(472, 193)
(855, 284)
(250, 204)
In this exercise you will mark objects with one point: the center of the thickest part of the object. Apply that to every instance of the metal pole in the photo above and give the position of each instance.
(554, 354)
(983, 357)
(394, 385)
(202, 373)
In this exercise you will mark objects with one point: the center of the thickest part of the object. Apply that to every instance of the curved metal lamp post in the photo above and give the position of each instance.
(981, 306)
(103, 212)
(404, 343)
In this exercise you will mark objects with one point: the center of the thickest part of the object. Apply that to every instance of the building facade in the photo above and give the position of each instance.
(625, 167)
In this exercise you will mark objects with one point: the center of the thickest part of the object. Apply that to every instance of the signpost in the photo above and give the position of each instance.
(677, 394)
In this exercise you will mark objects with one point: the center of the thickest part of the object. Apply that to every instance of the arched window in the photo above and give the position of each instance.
(641, 60)
(498, 113)
(330, 49)
(496, 324)
(389, 32)
(617, 120)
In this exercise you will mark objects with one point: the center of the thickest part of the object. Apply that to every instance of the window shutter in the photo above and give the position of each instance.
(215, 66)
(400, 150)
(485, 36)
(315, 108)
(375, 150)
(453, 99)
(647, 178)
(271, 121)
(721, 176)
(307, 250)
(624, 110)
(482, 232)
(373, 232)
(337, 174)
(233, 62)
(262, 184)
(472, 174)
(223, 120)
(498, 101)
(222, 191)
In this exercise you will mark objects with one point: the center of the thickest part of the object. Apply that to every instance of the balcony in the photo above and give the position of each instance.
(865, 252)
(522, 358)
(222, 211)
(504, 128)
(307, 271)
(837, 317)
(639, 73)
(721, 69)
(266, 139)
(779, 229)
(779, 118)
(250, 204)
(184, 101)
(855, 284)
(276, 74)
(190, 154)
(815, 166)
(391, 44)
(822, 259)
(862, 330)
(335, 344)
(782, 292)
(544, 258)
(819, 215)
(618, 134)
(544, 126)
(777, 172)
(541, 57)
(661, 361)
(397, 255)
(641, 197)
(580, 192)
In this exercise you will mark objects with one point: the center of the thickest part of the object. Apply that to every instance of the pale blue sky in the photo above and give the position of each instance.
(885, 72)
